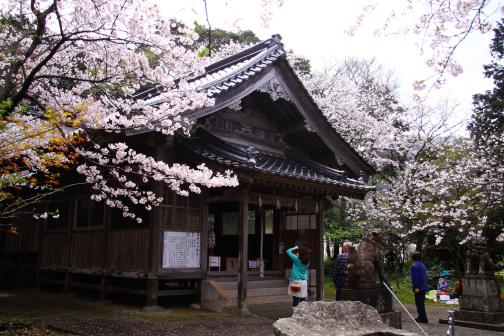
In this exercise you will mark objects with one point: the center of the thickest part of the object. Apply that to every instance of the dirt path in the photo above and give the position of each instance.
(55, 315)
(83, 316)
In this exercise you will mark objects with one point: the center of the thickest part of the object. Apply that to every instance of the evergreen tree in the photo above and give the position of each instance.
(488, 116)
(487, 125)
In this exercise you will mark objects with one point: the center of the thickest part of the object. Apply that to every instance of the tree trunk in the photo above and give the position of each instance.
(328, 248)
(336, 247)
(419, 243)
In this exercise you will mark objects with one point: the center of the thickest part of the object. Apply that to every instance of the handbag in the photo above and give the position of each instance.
(295, 285)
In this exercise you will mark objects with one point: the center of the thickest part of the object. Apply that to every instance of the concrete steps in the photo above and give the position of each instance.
(258, 291)
(255, 284)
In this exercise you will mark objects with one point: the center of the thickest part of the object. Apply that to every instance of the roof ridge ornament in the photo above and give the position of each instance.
(277, 38)
(275, 90)
(235, 105)
(308, 127)
(251, 153)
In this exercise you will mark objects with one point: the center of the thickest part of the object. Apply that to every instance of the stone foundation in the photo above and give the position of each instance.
(378, 297)
(480, 306)
(480, 317)
(392, 319)
(468, 324)
(481, 293)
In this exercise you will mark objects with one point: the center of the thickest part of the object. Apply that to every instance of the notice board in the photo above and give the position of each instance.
(181, 249)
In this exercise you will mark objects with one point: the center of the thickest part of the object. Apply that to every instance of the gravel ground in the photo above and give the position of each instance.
(72, 315)
(69, 315)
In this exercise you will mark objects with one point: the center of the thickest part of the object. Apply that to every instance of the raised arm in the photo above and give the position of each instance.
(290, 253)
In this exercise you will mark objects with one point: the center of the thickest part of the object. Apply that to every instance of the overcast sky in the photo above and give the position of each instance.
(316, 29)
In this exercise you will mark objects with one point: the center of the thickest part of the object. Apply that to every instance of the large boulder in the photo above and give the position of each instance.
(334, 318)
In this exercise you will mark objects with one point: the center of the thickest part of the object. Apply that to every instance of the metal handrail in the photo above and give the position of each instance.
(406, 310)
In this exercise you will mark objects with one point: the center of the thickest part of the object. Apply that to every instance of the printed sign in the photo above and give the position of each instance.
(181, 249)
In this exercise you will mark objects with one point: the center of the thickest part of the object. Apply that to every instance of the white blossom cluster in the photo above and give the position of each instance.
(119, 175)
(448, 195)
(441, 26)
(81, 63)
(364, 115)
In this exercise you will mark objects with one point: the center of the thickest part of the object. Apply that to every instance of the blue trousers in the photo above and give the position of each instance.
(420, 306)
(340, 284)
(296, 300)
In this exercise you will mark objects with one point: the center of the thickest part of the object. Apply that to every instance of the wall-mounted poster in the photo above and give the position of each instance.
(181, 249)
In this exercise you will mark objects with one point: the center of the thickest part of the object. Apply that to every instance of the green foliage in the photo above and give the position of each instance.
(338, 227)
(329, 289)
(203, 52)
(300, 64)
(487, 118)
(487, 123)
(5, 107)
(219, 37)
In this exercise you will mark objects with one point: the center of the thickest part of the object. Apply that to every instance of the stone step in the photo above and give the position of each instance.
(255, 292)
(255, 284)
(269, 299)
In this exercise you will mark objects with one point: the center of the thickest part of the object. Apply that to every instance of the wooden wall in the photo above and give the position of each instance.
(87, 249)
(118, 249)
(128, 250)
(55, 250)
(27, 238)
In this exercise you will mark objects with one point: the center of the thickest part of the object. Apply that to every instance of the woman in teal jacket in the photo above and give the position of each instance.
(299, 275)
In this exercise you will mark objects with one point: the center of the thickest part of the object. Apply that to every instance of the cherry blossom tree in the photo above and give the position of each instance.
(453, 189)
(69, 70)
(441, 27)
(429, 182)
(450, 194)
(361, 101)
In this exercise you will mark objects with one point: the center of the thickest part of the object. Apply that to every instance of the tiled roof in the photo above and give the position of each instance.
(230, 74)
(288, 164)
(233, 70)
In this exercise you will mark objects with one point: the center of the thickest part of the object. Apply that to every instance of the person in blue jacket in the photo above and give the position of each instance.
(299, 275)
(420, 287)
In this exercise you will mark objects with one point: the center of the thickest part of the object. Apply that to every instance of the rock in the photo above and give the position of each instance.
(342, 318)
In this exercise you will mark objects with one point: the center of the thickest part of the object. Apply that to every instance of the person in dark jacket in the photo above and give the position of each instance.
(420, 287)
(340, 272)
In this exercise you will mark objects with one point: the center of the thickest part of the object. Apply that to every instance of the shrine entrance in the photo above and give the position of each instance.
(223, 238)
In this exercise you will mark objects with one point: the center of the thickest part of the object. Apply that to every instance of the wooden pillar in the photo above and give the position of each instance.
(243, 253)
(320, 252)
(276, 242)
(155, 233)
(104, 294)
(106, 237)
(260, 215)
(281, 247)
(68, 282)
(164, 153)
(152, 292)
(204, 233)
(38, 278)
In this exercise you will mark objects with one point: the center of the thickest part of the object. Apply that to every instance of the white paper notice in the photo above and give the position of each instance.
(181, 249)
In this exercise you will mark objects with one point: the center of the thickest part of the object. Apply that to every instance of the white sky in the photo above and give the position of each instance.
(316, 29)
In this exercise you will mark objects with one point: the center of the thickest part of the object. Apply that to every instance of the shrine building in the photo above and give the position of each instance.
(225, 246)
